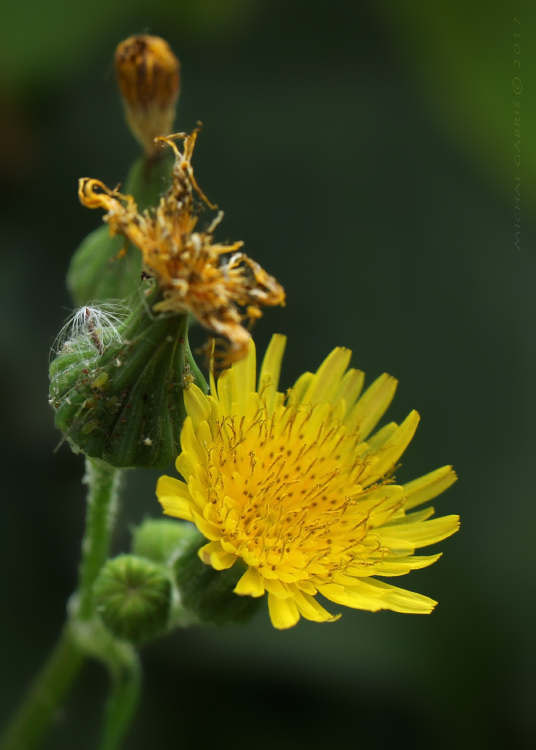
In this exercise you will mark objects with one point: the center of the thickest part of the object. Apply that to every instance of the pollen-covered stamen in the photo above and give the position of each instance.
(297, 527)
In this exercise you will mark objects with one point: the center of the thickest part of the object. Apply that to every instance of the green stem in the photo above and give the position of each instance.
(58, 674)
(123, 700)
(121, 659)
(46, 695)
(104, 483)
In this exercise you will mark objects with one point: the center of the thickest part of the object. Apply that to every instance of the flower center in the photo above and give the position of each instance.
(285, 493)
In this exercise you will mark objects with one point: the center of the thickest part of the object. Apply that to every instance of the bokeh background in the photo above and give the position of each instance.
(365, 153)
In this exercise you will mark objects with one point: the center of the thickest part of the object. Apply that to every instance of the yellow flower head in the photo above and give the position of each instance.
(148, 77)
(296, 487)
(191, 271)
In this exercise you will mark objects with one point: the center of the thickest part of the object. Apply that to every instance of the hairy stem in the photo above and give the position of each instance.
(53, 683)
(123, 700)
(104, 483)
(46, 695)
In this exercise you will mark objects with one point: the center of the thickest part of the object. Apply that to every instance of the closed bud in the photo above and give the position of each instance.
(208, 593)
(148, 75)
(117, 387)
(161, 540)
(133, 598)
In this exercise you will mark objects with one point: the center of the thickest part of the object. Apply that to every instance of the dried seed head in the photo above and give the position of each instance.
(91, 328)
(217, 283)
(148, 75)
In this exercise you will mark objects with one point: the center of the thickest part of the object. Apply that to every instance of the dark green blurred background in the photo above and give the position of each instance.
(365, 155)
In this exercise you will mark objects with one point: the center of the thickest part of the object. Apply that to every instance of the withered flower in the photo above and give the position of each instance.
(148, 74)
(220, 286)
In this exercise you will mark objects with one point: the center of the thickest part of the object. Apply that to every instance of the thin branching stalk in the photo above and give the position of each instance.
(46, 695)
(125, 692)
(83, 635)
(104, 483)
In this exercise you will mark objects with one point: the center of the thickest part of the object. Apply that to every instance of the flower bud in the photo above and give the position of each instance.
(117, 390)
(161, 540)
(148, 78)
(208, 593)
(133, 598)
(107, 267)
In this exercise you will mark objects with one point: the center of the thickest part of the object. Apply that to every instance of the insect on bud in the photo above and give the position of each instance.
(148, 75)
(133, 598)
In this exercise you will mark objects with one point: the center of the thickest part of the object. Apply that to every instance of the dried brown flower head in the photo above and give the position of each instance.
(148, 74)
(220, 286)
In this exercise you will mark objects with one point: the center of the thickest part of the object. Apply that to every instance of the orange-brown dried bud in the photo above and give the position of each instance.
(148, 74)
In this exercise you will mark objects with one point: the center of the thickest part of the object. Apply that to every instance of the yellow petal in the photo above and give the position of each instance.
(379, 438)
(171, 486)
(208, 529)
(174, 497)
(373, 404)
(225, 394)
(212, 382)
(250, 584)
(420, 534)
(276, 588)
(385, 459)
(327, 379)
(378, 500)
(213, 554)
(215, 409)
(306, 586)
(311, 609)
(177, 508)
(204, 437)
(349, 597)
(186, 465)
(350, 387)
(300, 387)
(174, 506)
(283, 612)
(197, 406)
(399, 600)
(425, 488)
(244, 377)
(392, 566)
(197, 493)
(271, 370)
(190, 443)
(374, 595)
(421, 515)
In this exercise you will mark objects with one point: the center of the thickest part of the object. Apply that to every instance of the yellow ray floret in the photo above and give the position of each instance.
(296, 487)
(192, 272)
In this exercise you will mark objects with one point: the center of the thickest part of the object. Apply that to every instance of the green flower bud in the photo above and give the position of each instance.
(161, 540)
(133, 598)
(105, 267)
(208, 593)
(117, 388)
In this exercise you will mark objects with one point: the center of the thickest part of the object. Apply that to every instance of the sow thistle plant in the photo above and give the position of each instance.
(286, 492)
